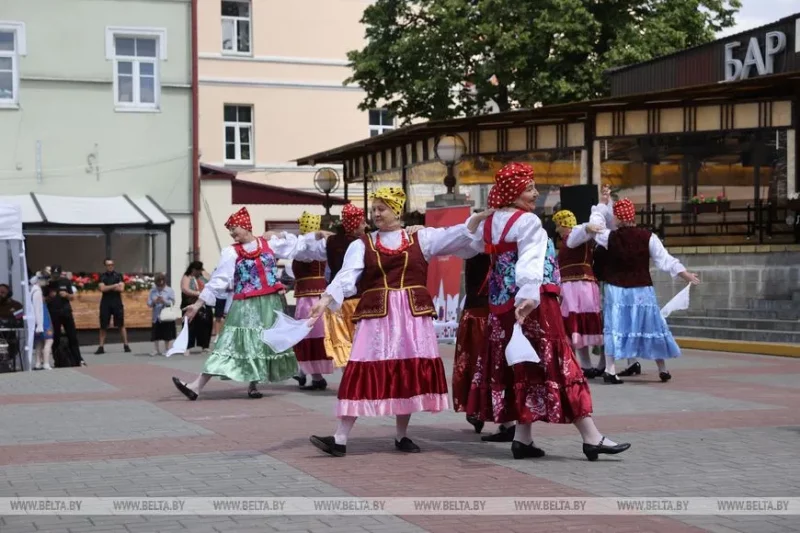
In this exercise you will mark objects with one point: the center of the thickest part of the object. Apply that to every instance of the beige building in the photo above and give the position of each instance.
(271, 90)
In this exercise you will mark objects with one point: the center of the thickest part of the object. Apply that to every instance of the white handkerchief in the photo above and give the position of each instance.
(678, 303)
(519, 349)
(182, 342)
(285, 333)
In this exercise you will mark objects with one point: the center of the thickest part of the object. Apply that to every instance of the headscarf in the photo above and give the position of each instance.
(240, 219)
(509, 183)
(565, 219)
(352, 217)
(309, 223)
(625, 211)
(393, 197)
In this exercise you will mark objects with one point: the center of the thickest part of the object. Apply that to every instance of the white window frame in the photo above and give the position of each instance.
(249, 19)
(160, 36)
(20, 50)
(381, 128)
(237, 139)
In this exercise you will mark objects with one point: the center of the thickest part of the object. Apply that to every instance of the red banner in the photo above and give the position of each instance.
(444, 274)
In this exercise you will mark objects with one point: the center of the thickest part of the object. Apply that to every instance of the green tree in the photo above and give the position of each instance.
(518, 53)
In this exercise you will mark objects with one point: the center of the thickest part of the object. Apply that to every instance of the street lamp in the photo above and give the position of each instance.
(449, 149)
(326, 181)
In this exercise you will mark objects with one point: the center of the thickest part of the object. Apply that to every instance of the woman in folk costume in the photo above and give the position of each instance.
(339, 325)
(394, 367)
(239, 353)
(580, 294)
(310, 283)
(633, 325)
(523, 288)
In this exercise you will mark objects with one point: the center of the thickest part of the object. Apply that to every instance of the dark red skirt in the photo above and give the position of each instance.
(470, 345)
(553, 391)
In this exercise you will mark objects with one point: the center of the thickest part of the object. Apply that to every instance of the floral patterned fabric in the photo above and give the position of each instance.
(247, 274)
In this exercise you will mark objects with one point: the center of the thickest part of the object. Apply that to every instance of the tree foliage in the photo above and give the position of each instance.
(518, 53)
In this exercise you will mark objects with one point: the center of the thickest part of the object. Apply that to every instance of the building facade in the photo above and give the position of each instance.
(95, 124)
(271, 89)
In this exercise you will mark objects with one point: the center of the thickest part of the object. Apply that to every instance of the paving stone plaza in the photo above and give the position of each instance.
(726, 425)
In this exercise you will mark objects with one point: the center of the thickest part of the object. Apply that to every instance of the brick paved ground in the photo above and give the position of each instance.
(727, 425)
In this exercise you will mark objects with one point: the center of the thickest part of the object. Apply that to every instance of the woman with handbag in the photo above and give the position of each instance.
(165, 314)
(200, 328)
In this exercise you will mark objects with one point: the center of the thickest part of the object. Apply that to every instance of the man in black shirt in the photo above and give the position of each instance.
(62, 293)
(112, 286)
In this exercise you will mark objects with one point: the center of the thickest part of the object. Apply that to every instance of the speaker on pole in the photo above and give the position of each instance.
(579, 199)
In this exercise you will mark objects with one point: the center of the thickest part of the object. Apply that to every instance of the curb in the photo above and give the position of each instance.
(760, 348)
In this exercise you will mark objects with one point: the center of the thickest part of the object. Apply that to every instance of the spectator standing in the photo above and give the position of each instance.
(61, 294)
(112, 285)
(43, 332)
(200, 327)
(161, 296)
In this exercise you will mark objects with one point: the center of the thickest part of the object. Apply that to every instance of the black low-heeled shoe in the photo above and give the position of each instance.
(184, 388)
(316, 385)
(503, 435)
(254, 393)
(665, 376)
(592, 451)
(301, 380)
(613, 379)
(329, 446)
(475, 423)
(634, 370)
(525, 451)
(406, 445)
(589, 373)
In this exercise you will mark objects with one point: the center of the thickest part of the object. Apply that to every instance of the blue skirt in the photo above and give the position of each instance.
(633, 326)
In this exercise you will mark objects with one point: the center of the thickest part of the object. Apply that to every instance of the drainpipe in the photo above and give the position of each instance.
(195, 140)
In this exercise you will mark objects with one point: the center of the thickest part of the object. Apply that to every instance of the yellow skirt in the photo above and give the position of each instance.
(339, 331)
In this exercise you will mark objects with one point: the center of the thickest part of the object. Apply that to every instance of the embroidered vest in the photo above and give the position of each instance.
(256, 273)
(575, 264)
(309, 278)
(628, 258)
(335, 248)
(407, 271)
(502, 274)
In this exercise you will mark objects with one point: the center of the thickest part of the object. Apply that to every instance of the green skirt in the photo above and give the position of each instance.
(240, 354)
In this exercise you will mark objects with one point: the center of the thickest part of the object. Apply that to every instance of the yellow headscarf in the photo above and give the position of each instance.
(393, 197)
(309, 223)
(565, 218)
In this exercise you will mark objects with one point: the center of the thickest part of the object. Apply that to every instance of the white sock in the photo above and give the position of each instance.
(524, 433)
(346, 424)
(401, 423)
(610, 367)
(662, 365)
(590, 433)
(583, 355)
(601, 365)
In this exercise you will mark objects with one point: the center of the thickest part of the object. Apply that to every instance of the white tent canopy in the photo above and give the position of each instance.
(14, 271)
(88, 210)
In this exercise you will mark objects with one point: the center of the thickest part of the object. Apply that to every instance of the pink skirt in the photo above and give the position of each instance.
(311, 355)
(394, 367)
(581, 309)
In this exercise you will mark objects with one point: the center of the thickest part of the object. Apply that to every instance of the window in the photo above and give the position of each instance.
(136, 53)
(380, 121)
(12, 46)
(236, 26)
(239, 134)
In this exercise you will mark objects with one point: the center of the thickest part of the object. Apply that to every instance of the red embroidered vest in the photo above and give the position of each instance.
(628, 258)
(407, 271)
(335, 248)
(575, 264)
(309, 278)
(255, 273)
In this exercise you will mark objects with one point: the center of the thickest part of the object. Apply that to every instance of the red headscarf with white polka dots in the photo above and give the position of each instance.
(240, 219)
(352, 217)
(624, 210)
(510, 182)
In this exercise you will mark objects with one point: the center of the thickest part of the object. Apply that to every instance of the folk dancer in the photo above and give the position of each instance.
(310, 283)
(580, 295)
(394, 367)
(239, 354)
(524, 289)
(633, 325)
(339, 325)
